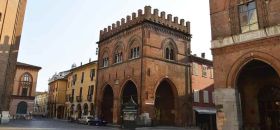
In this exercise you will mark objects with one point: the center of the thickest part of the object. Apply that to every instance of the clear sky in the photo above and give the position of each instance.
(58, 33)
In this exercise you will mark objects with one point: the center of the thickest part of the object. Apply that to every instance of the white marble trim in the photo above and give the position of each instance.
(249, 36)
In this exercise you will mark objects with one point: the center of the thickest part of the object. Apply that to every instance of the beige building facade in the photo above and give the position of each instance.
(41, 104)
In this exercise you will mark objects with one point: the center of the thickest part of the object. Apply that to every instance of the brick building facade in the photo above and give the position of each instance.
(23, 91)
(245, 48)
(11, 20)
(144, 58)
(202, 81)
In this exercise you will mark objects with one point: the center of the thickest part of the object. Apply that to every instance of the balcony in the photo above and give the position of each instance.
(89, 98)
(79, 98)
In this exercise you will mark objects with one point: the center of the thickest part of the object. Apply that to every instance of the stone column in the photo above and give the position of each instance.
(227, 109)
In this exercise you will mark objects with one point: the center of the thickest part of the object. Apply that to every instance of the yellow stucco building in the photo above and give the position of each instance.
(57, 91)
(81, 90)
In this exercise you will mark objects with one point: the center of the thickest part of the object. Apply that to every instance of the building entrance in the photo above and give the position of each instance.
(259, 92)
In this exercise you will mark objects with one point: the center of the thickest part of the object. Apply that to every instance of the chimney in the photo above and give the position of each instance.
(81, 63)
(89, 60)
(203, 55)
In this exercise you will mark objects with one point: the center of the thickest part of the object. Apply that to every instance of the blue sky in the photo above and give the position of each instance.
(58, 33)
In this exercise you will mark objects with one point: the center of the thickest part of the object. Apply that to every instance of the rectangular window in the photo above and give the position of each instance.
(81, 91)
(82, 78)
(73, 92)
(196, 95)
(248, 17)
(213, 97)
(92, 74)
(24, 91)
(205, 96)
(92, 89)
(89, 88)
(195, 68)
(105, 62)
(211, 73)
(204, 71)
(74, 78)
(135, 52)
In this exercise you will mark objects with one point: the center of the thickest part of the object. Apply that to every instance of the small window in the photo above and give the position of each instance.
(204, 71)
(74, 78)
(169, 52)
(73, 92)
(81, 91)
(92, 74)
(213, 97)
(196, 96)
(195, 69)
(118, 55)
(82, 78)
(248, 17)
(0, 16)
(205, 96)
(211, 73)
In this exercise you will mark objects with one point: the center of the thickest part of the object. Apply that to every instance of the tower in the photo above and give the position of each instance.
(11, 20)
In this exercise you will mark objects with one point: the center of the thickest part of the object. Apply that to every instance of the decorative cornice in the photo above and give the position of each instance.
(22, 97)
(246, 37)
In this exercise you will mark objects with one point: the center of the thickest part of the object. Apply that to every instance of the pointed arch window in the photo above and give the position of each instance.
(105, 60)
(25, 83)
(118, 55)
(169, 52)
(134, 50)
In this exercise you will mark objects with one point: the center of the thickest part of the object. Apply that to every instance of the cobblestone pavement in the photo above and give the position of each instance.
(49, 124)
(53, 124)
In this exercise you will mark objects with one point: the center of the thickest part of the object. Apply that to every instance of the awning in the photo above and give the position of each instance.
(205, 110)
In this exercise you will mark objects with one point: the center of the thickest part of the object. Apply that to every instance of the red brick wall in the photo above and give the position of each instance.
(152, 60)
(202, 83)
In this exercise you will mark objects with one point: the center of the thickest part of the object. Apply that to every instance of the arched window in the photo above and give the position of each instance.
(105, 60)
(169, 52)
(134, 50)
(26, 84)
(22, 108)
(118, 55)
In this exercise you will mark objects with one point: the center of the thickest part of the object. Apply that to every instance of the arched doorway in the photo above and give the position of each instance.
(79, 110)
(259, 91)
(22, 108)
(107, 104)
(85, 109)
(165, 104)
(129, 92)
(60, 112)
